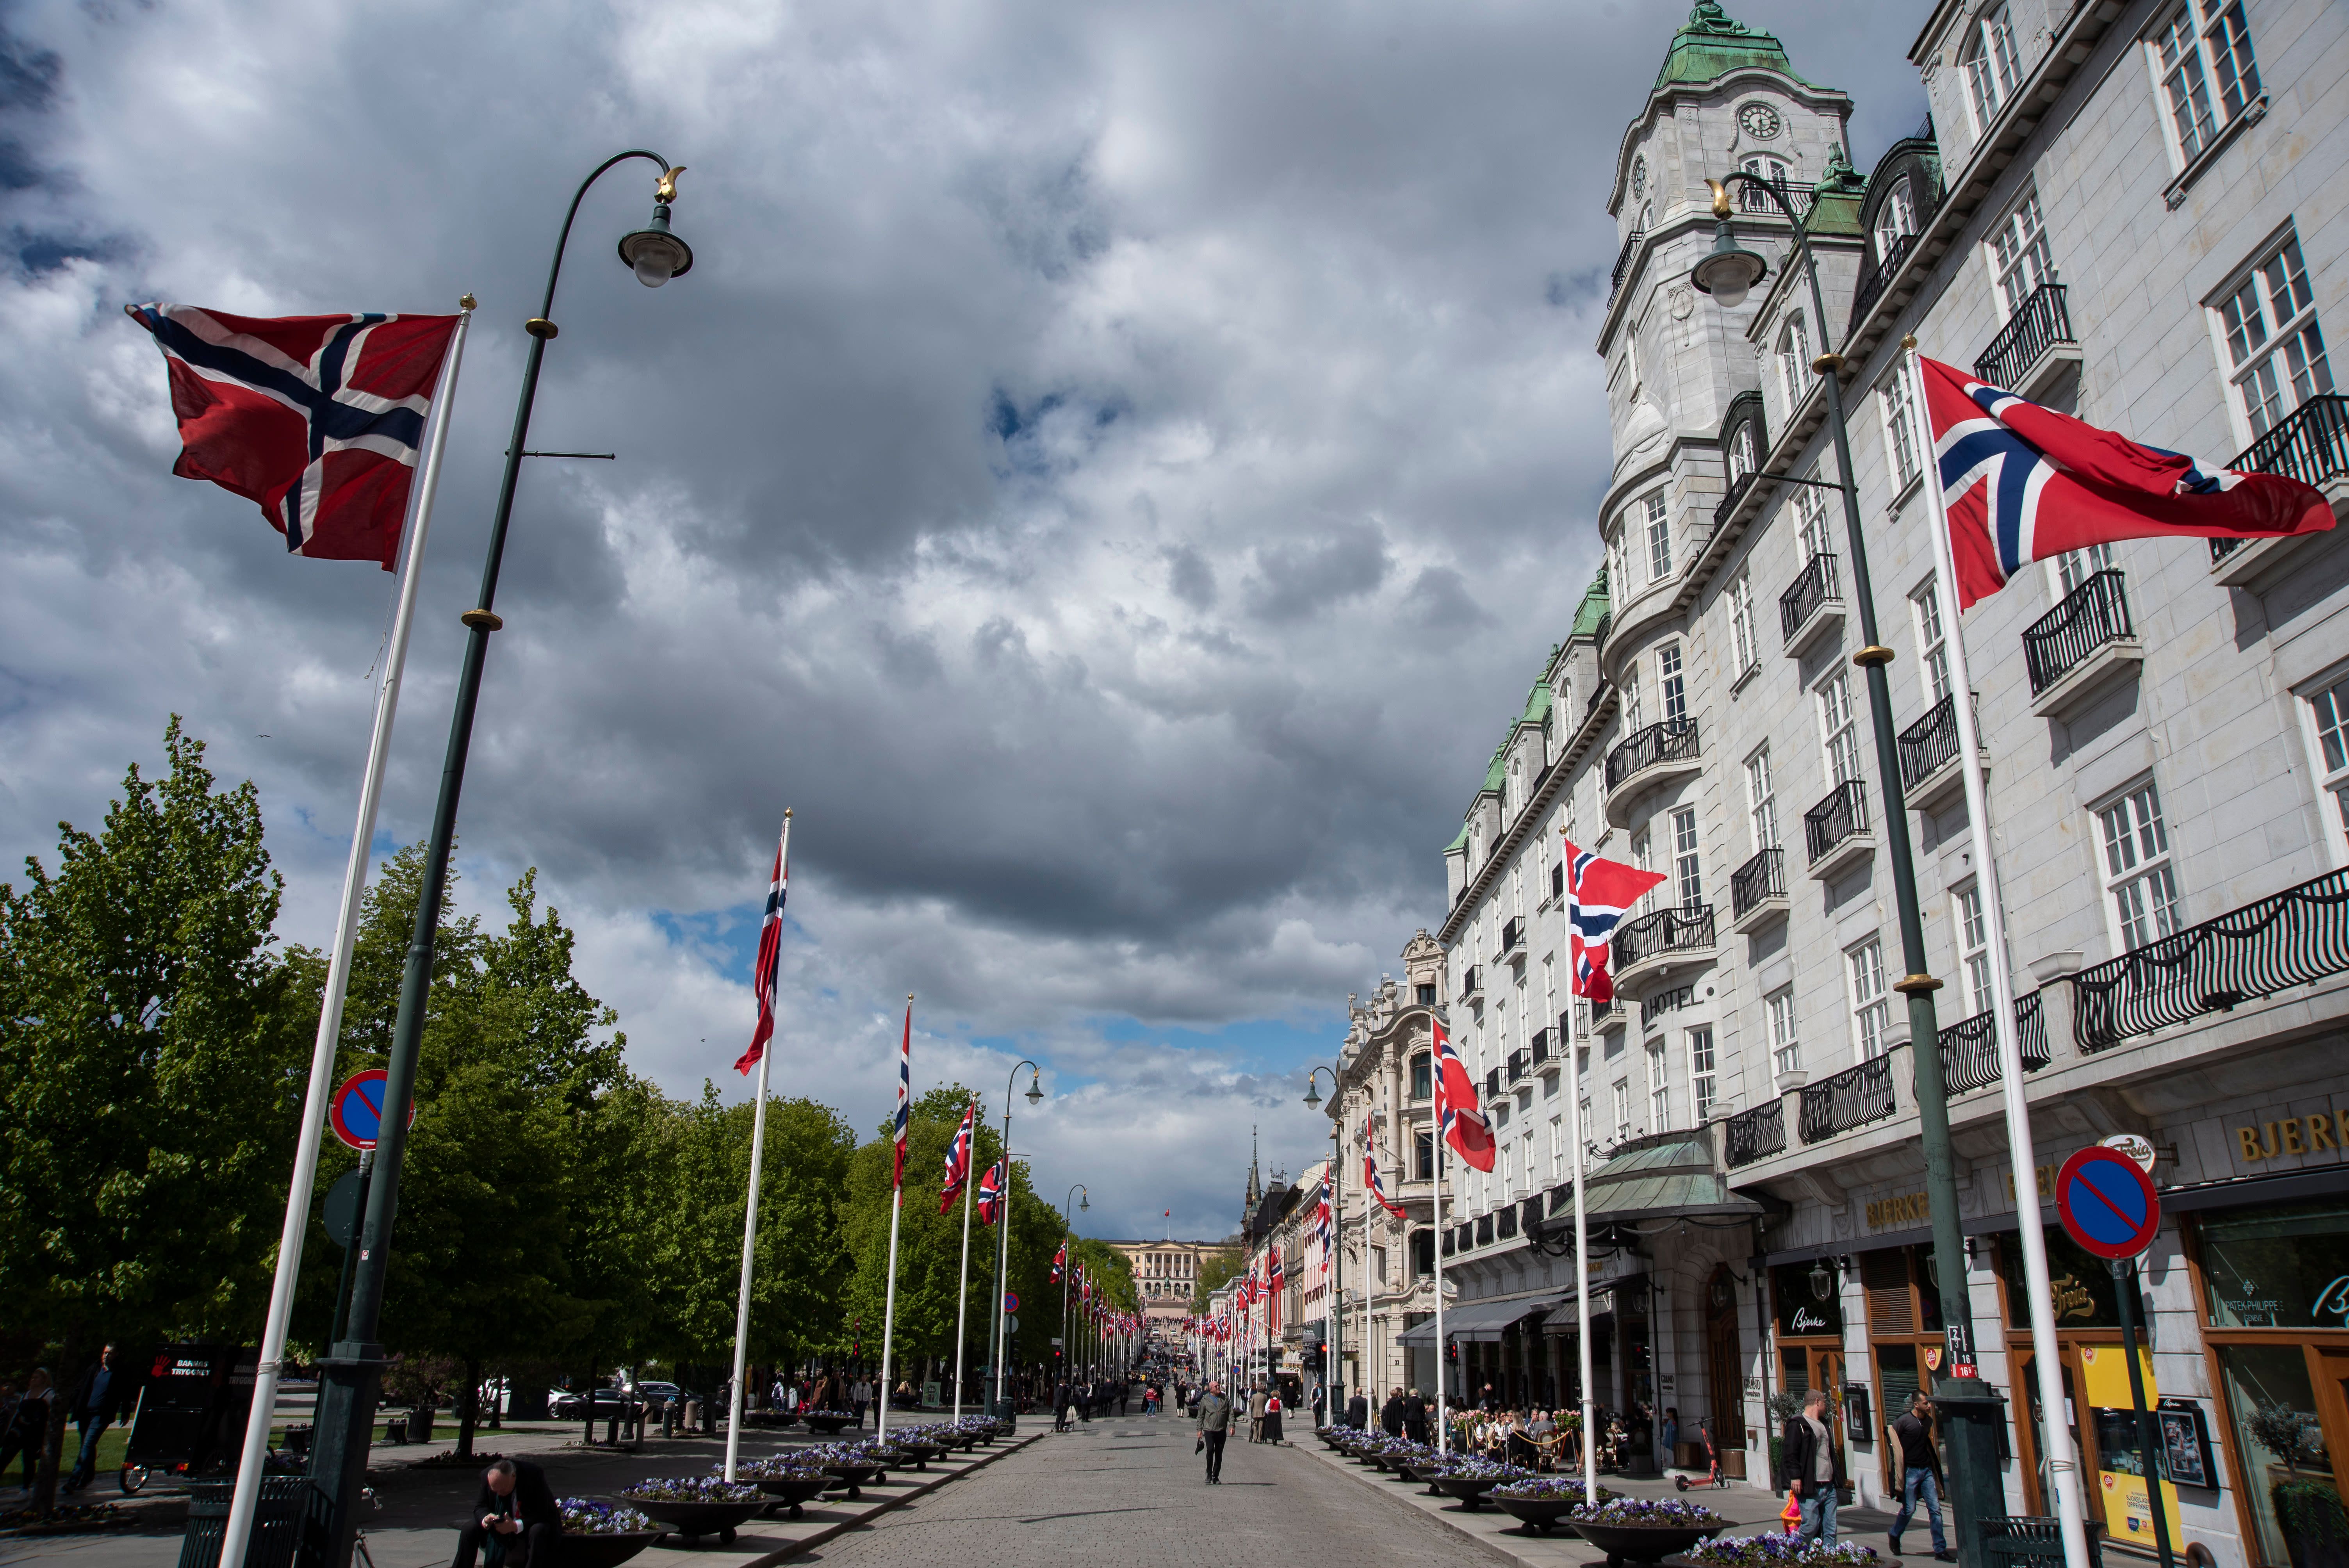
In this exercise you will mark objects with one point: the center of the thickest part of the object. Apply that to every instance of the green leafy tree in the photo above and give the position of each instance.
(1216, 1270)
(149, 1073)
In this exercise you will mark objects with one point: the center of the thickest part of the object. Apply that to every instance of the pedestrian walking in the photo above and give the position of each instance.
(1920, 1474)
(1358, 1411)
(1414, 1416)
(1814, 1467)
(102, 1397)
(1391, 1414)
(1272, 1418)
(27, 1430)
(515, 1519)
(1215, 1426)
(1256, 1415)
(1062, 1397)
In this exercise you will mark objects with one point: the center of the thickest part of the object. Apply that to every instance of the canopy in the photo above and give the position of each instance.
(1667, 1176)
(1475, 1322)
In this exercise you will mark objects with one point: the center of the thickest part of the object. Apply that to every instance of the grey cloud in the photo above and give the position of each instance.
(1296, 581)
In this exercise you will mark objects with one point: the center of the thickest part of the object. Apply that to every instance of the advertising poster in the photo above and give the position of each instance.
(2128, 1504)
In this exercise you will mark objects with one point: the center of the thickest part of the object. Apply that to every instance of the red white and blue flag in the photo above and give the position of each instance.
(1276, 1272)
(957, 1160)
(990, 1193)
(1371, 1169)
(770, 957)
(1598, 894)
(1060, 1262)
(1321, 1225)
(316, 419)
(905, 1100)
(1464, 1125)
(2023, 484)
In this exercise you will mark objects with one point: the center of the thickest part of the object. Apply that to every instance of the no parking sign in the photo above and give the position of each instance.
(2107, 1203)
(356, 1115)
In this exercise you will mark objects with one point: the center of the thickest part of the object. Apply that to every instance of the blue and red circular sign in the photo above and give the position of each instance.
(357, 1114)
(2107, 1203)
(1010, 1301)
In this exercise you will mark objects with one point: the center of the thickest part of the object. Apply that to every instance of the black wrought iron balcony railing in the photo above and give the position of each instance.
(2060, 641)
(1970, 1048)
(2290, 938)
(2311, 446)
(1799, 194)
(1493, 1085)
(1542, 1047)
(1814, 585)
(2038, 324)
(1472, 981)
(1853, 1097)
(1505, 1223)
(1763, 876)
(1735, 493)
(1930, 744)
(1623, 263)
(1673, 740)
(1666, 931)
(1752, 1134)
(1835, 819)
(1604, 1016)
(1517, 1063)
(1513, 931)
(1877, 273)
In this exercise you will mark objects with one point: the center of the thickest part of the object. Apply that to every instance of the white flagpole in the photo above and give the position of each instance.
(962, 1297)
(295, 1231)
(889, 1304)
(1332, 1383)
(1581, 1230)
(2063, 1464)
(1442, 1418)
(751, 1212)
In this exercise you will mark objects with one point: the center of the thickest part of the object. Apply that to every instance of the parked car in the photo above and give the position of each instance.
(570, 1405)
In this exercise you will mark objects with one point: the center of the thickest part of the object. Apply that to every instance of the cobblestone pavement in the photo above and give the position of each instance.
(1129, 1493)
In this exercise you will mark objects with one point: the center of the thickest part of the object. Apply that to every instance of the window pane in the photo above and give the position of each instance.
(2231, 54)
(2332, 726)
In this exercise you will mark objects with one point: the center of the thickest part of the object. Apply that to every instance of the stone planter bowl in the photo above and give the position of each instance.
(695, 1520)
(1642, 1542)
(1469, 1490)
(793, 1491)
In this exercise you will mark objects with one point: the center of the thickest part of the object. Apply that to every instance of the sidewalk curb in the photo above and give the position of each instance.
(1570, 1549)
(832, 1531)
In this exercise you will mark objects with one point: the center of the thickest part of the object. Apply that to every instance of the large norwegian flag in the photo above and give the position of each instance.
(1598, 893)
(1465, 1126)
(904, 1100)
(2023, 483)
(316, 419)
(957, 1160)
(1371, 1169)
(770, 956)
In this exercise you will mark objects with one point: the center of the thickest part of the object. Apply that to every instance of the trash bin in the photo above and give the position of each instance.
(2028, 1541)
(1007, 1412)
(277, 1522)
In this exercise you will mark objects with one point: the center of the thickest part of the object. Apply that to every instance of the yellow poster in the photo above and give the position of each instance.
(2103, 1376)
(2128, 1512)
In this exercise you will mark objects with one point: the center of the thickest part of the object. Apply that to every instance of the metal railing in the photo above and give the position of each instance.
(2311, 446)
(1492, 1086)
(1853, 1097)
(1542, 1047)
(1813, 586)
(1470, 982)
(1600, 1018)
(1623, 263)
(1842, 813)
(1512, 931)
(1930, 744)
(1751, 1134)
(1763, 876)
(2290, 938)
(1797, 192)
(2094, 614)
(2038, 324)
(1666, 931)
(1737, 489)
(1877, 273)
(1672, 740)
(1517, 1064)
(1969, 1050)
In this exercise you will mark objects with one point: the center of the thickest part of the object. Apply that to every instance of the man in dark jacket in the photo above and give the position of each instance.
(1391, 1414)
(102, 1397)
(1414, 1416)
(514, 1520)
(1358, 1411)
(1214, 1427)
(1814, 1467)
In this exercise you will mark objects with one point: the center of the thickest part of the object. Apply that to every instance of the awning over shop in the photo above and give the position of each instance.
(1475, 1322)
(1566, 1317)
(1656, 1180)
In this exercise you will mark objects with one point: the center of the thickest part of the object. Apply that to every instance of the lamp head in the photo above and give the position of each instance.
(1086, 1202)
(1035, 1090)
(656, 254)
(1729, 271)
(1312, 1091)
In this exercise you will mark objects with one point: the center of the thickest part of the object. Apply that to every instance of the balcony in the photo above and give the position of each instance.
(1753, 1134)
(1623, 263)
(1851, 1098)
(1970, 1050)
(1608, 1015)
(1728, 505)
(1929, 775)
(2310, 446)
(1836, 831)
(1513, 932)
(1471, 983)
(1543, 1050)
(1517, 1064)
(2291, 938)
(1812, 607)
(2080, 647)
(1492, 1086)
(1798, 193)
(1757, 891)
(1877, 273)
(2035, 347)
(1658, 943)
(1659, 754)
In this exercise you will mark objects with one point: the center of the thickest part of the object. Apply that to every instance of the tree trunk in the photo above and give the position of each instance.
(469, 1409)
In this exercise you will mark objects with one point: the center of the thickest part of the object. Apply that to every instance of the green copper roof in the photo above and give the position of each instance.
(1836, 200)
(1710, 46)
(1493, 773)
(1593, 608)
(1460, 842)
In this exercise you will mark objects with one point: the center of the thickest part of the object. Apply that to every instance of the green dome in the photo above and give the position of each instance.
(1710, 46)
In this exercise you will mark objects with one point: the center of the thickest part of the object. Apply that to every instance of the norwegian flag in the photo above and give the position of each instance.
(1060, 1262)
(1322, 1223)
(1276, 1275)
(1371, 1169)
(1597, 893)
(2023, 483)
(1465, 1126)
(990, 1193)
(770, 958)
(316, 419)
(905, 1100)
(959, 1159)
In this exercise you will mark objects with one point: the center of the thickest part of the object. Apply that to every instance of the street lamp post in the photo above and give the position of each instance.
(352, 1371)
(1067, 1229)
(1003, 1257)
(1332, 1387)
(1728, 272)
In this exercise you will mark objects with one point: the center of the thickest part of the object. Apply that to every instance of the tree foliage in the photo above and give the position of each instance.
(1216, 1270)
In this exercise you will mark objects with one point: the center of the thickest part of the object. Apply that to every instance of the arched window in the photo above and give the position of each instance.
(1896, 220)
(1764, 168)
(1794, 365)
(1992, 64)
(1743, 457)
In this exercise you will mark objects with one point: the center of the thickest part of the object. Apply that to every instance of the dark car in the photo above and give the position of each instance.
(605, 1404)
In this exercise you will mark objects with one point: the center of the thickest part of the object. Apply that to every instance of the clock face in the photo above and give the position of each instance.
(1639, 177)
(1759, 119)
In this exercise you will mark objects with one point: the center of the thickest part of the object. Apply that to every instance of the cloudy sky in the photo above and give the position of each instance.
(1112, 469)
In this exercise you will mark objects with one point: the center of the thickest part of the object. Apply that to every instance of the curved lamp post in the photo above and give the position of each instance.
(1069, 1230)
(1332, 1383)
(1003, 1257)
(347, 1403)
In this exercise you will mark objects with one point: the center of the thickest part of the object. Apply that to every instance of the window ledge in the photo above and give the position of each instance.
(1901, 495)
(1744, 676)
(2253, 113)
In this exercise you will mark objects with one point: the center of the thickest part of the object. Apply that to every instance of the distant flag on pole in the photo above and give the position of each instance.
(1370, 1170)
(990, 1193)
(1060, 1262)
(770, 956)
(957, 1160)
(1597, 893)
(319, 420)
(1464, 1125)
(905, 1098)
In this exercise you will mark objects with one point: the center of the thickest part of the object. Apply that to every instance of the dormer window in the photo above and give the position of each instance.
(1743, 457)
(1994, 66)
(1794, 365)
(1896, 220)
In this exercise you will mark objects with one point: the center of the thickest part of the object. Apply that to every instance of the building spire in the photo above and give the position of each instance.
(1254, 1181)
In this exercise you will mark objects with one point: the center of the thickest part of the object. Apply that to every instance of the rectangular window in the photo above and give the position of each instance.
(1422, 1082)
(1934, 666)
(2207, 75)
(1741, 620)
(1900, 430)
(2275, 351)
(1839, 731)
(1660, 538)
(1701, 1074)
(1687, 865)
(1640, 858)
(1423, 1151)
(1793, 366)
(2136, 867)
(1761, 804)
(1671, 687)
(2019, 254)
(1994, 67)
(1871, 1011)
(2330, 708)
(1622, 1109)
(1660, 1116)
(1785, 1050)
(2074, 567)
(1811, 520)
(1973, 948)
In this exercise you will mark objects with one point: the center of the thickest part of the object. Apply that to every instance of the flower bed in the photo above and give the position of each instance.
(1776, 1550)
(1539, 1502)
(695, 1506)
(1644, 1529)
(1666, 1512)
(599, 1535)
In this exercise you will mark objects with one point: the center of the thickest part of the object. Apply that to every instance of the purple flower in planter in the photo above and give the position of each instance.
(585, 1516)
(1634, 1512)
(689, 1488)
(1779, 1551)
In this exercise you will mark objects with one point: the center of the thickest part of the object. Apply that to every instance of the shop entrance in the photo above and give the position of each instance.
(1724, 1372)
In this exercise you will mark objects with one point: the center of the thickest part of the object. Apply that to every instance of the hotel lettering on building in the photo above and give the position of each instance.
(2129, 211)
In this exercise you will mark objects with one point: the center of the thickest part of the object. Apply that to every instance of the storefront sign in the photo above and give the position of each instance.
(1665, 1002)
(2140, 1149)
(1807, 1298)
(2326, 1132)
(1908, 1209)
(2046, 1182)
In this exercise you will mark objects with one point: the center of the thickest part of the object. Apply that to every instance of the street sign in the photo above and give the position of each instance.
(1010, 1301)
(356, 1115)
(342, 1215)
(2107, 1203)
(1011, 1326)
